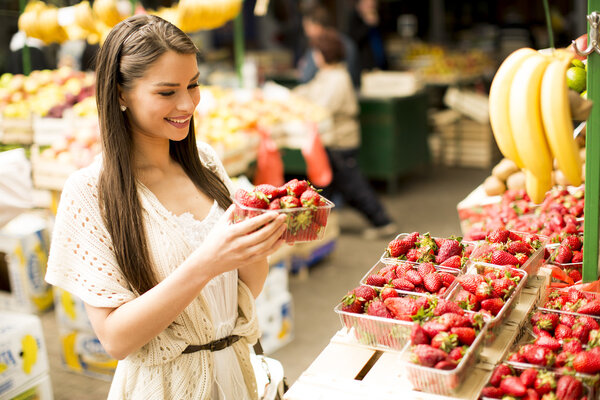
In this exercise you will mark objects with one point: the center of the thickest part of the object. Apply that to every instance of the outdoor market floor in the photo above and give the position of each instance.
(425, 201)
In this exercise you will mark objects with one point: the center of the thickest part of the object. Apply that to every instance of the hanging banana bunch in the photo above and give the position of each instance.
(195, 15)
(531, 119)
(107, 12)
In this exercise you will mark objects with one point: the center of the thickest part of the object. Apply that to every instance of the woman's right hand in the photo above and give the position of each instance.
(231, 246)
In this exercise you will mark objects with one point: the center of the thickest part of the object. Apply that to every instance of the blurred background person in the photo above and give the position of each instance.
(316, 19)
(364, 30)
(332, 88)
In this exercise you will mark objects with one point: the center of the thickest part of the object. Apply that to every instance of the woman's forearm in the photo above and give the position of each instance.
(254, 276)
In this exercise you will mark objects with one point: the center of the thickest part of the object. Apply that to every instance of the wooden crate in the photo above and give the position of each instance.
(49, 174)
(16, 131)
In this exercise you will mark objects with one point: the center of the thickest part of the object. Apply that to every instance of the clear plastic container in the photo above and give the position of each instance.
(509, 304)
(591, 295)
(443, 382)
(379, 265)
(387, 259)
(375, 332)
(304, 224)
(531, 266)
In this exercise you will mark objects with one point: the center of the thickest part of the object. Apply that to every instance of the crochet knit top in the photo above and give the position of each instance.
(82, 261)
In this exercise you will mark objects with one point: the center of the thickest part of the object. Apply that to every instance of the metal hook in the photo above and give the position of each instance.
(594, 21)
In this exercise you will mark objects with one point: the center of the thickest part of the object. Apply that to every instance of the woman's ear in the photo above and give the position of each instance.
(122, 101)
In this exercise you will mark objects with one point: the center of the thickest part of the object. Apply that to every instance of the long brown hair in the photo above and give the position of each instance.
(129, 49)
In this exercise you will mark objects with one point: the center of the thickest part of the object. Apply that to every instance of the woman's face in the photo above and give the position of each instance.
(161, 103)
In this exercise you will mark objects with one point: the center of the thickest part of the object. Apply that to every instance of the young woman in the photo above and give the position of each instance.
(143, 237)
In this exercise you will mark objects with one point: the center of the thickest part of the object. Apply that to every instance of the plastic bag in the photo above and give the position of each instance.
(269, 166)
(318, 169)
(16, 188)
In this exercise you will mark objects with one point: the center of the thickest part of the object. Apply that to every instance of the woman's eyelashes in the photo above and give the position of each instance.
(172, 92)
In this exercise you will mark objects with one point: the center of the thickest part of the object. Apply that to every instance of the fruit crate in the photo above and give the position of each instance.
(377, 333)
(300, 220)
(379, 265)
(531, 266)
(496, 322)
(386, 259)
(588, 390)
(443, 382)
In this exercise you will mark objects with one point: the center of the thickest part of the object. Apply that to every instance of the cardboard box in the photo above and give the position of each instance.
(23, 354)
(38, 389)
(23, 259)
(275, 318)
(83, 353)
(70, 311)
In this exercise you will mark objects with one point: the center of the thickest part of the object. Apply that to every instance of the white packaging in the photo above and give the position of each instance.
(23, 260)
(276, 322)
(70, 311)
(82, 352)
(38, 389)
(23, 354)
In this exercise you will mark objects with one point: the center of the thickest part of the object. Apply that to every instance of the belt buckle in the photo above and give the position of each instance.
(220, 344)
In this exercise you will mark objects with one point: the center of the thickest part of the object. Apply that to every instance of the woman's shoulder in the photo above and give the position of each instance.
(84, 180)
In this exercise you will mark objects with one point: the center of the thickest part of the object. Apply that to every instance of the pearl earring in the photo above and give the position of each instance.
(123, 108)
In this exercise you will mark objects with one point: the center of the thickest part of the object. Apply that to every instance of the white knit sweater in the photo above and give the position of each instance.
(82, 261)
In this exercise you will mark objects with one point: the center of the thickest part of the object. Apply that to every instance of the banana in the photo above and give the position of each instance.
(556, 116)
(536, 188)
(498, 103)
(526, 119)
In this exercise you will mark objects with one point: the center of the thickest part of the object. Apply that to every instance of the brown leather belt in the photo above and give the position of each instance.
(215, 345)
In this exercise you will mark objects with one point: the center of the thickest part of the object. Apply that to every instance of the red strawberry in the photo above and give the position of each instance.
(492, 305)
(445, 364)
(465, 335)
(427, 356)
(296, 188)
(568, 388)
(433, 328)
(519, 247)
(310, 198)
(501, 257)
(351, 304)
(528, 377)
(502, 287)
(563, 332)
(400, 306)
(432, 282)
(575, 275)
(403, 268)
(573, 241)
(484, 291)
(388, 292)
(275, 204)
(492, 392)
(540, 332)
(426, 268)
(446, 306)
(447, 278)
(453, 262)
(252, 199)
(537, 355)
(365, 293)
(388, 268)
(403, 284)
(581, 332)
(269, 190)
(456, 354)
(532, 395)
(548, 342)
(517, 357)
(412, 238)
(412, 276)
(378, 309)
(563, 254)
(470, 282)
(467, 300)
(398, 247)
(568, 320)
(544, 383)
(587, 362)
(572, 346)
(513, 386)
(590, 308)
(412, 255)
(499, 235)
(376, 280)
(418, 335)
(522, 258)
(577, 257)
(290, 202)
(547, 321)
(589, 322)
(563, 358)
(449, 248)
(445, 341)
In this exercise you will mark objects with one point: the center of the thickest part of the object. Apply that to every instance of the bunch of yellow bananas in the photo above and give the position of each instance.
(195, 15)
(531, 118)
(40, 21)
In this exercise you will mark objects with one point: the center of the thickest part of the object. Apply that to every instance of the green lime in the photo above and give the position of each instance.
(577, 63)
(584, 94)
(576, 79)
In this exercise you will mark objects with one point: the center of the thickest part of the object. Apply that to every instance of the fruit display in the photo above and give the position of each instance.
(531, 119)
(509, 381)
(510, 248)
(76, 148)
(572, 301)
(449, 252)
(306, 210)
(411, 278)
(442, 349)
